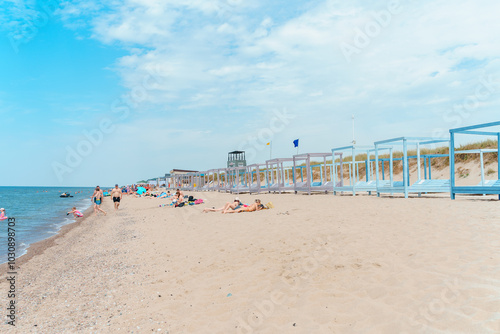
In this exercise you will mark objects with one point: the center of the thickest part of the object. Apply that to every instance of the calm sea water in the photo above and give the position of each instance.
(39, 213)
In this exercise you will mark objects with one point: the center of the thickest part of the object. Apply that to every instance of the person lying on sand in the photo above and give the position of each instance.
(178, 197)
(257, 206)
(233, 206)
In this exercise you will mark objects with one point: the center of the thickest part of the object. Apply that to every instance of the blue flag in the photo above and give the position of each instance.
(296, 143)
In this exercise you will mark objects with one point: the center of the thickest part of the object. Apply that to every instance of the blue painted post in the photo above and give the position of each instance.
(383, 171)
(419, 173)
(391, 167)
(353, 174)
(430, 169)
(334, 175)
(425, 167)
(481, 160)
(498, 158)
(376, 168)
(405, 167)
(429, 166)
(452, 164)
(408, 169)
(308, 175)
(366, 169)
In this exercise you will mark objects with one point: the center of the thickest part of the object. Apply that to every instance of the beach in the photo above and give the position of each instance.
(312, 264)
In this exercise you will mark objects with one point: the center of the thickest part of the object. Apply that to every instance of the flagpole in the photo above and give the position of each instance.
(270, 150)
(353, 140)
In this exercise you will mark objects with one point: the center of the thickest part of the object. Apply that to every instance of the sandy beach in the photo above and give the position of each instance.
(313, 264)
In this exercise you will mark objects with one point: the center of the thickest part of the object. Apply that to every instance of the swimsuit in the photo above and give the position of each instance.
(97, 201)
(116, 199)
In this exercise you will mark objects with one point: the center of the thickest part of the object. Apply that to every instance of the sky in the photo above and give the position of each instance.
(96, 92)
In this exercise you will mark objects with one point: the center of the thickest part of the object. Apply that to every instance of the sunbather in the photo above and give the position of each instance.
(228, 206)
(257, 206)
(178, 197)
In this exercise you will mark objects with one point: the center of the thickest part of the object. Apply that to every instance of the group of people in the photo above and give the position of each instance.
(178, 197)
(236, 206)
(97, 197)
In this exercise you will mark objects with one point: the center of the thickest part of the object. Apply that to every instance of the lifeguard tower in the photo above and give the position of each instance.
(236, 171)
(236, 159)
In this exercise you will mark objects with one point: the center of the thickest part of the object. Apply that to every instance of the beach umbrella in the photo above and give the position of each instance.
(141, 190)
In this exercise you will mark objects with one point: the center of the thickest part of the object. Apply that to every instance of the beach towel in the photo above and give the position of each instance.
(198, 201)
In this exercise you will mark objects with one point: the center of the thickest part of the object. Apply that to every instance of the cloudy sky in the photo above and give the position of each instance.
(94, 93)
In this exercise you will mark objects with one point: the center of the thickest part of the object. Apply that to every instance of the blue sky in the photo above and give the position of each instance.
(178, 84)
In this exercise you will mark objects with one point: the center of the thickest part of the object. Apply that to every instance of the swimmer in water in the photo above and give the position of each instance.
(76, 213)
(2, 214)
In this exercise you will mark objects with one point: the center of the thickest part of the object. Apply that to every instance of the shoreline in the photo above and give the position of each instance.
(39, 247)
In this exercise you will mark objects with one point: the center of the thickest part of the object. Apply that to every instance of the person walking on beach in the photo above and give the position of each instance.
(116, 194)
(97, 197)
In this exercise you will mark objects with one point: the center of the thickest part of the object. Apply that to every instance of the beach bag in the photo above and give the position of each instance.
(179, 205)
(191, 199)
(198, 201)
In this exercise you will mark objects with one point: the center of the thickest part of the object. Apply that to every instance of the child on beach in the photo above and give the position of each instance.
(76, 213)
(2, 214)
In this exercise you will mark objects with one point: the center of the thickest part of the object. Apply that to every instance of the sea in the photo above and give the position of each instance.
(39, 213)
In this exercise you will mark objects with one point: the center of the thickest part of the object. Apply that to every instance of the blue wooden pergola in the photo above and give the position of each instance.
(422, 185)
(309, 185)
(493, 187)
(355, 184)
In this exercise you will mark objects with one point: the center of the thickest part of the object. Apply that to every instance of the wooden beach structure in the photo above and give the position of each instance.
(256, 177)
(421, 185)
(491, 187)
(238, 180)
(310, 184)
(313, 172)
(355, 183)
(280, 175)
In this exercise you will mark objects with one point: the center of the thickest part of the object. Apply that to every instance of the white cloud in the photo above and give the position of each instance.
(228, 59)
